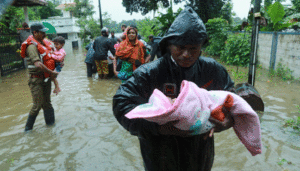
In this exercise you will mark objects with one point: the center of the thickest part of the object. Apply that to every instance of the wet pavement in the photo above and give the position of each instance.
(86, 135)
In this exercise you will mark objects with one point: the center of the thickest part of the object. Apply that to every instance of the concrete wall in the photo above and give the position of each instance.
(285, 47)
(288, 52)
(264, 49)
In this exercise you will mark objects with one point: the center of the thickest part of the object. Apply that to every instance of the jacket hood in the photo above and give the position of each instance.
(187, 29)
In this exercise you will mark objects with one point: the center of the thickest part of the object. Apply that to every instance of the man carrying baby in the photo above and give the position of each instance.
(165, 147)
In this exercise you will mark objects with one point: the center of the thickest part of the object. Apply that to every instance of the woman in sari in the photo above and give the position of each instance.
(132, 52)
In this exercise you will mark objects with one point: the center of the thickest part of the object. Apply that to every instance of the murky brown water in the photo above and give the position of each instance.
(86, 135)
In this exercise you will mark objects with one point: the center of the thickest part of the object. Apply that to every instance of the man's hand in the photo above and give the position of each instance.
(169, 129)
(219, 125)
(147, 59)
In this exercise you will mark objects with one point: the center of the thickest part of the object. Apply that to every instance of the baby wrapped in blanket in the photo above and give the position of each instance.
(193, 108)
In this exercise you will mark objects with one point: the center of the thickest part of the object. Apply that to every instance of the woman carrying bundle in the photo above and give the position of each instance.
(132, 52)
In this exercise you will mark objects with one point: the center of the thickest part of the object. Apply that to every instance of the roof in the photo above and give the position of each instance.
(20, 3)
(63, 6)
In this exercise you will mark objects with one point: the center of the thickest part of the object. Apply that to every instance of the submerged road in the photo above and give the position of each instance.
(86, 135)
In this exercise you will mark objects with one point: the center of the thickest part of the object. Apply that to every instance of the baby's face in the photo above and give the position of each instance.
(58, 45)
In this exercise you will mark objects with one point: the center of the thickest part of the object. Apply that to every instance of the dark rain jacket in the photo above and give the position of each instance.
(155, 48)
(101, 46)
(161, 152)
(169, 152)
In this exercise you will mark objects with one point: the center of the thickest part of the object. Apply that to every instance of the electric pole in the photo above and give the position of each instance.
(254, 43)
(101, 24)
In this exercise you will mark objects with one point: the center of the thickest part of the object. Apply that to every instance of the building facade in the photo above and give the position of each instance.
(66, 27)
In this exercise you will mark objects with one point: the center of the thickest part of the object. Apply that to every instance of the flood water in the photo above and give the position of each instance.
(86, 135)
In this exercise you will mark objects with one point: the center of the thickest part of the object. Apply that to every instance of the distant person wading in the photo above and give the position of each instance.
(101, 46)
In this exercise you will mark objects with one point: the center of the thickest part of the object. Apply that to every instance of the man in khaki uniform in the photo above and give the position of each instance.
(39, 86)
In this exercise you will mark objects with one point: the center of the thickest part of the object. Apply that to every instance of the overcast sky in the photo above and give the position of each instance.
(118, 12)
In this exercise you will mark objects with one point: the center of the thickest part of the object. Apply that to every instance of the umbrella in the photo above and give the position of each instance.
(50, 27)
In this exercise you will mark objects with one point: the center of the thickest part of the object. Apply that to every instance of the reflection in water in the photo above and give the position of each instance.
(86, 135)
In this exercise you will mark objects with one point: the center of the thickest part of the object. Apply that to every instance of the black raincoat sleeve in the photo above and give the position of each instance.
(133, 92)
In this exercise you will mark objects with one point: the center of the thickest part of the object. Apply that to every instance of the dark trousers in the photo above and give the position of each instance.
(91, 69)
(40, 92)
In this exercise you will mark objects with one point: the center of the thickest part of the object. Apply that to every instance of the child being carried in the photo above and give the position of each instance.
(58, 55)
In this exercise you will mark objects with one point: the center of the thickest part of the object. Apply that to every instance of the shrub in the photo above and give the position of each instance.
(237, 50)
(217, 30)
(284, 72)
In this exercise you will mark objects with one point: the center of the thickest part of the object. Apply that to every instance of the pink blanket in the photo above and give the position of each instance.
(193, 108)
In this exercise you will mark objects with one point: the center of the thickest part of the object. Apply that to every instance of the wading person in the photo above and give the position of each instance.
(40, 87)
(165, 147)
(102, 45)
(113, 38)
(89, 60)
(132, 52)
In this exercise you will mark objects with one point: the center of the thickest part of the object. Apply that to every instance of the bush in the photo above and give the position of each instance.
(217, 30)
(237, 50)
(284, 72)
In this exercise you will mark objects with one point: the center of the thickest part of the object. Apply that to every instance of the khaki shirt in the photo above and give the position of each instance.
(33, 56)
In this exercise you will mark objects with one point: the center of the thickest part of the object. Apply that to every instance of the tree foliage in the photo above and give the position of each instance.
(276, 13)
(206, 9)
(47, 11)
(296, 4)
(237, 50)
(13, 19)
(82, 9)
(167, 19)
(147, 27)
(226, 12)
(14, 16)
(146, 6)
(217, 34)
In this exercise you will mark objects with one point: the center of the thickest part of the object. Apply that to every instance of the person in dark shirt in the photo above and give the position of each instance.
(113, 38)
(101, 46)
(155, 49)
(165, 147)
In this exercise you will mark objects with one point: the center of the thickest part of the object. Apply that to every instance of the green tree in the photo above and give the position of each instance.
(167, 19)
(13, 19)
(207, 9)
(48, 11)
(82, 9)
(276, 13)
(226, 11)
(296, 4)
(145, 6)
(237, 21)
(217, 30)
(147, 27)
